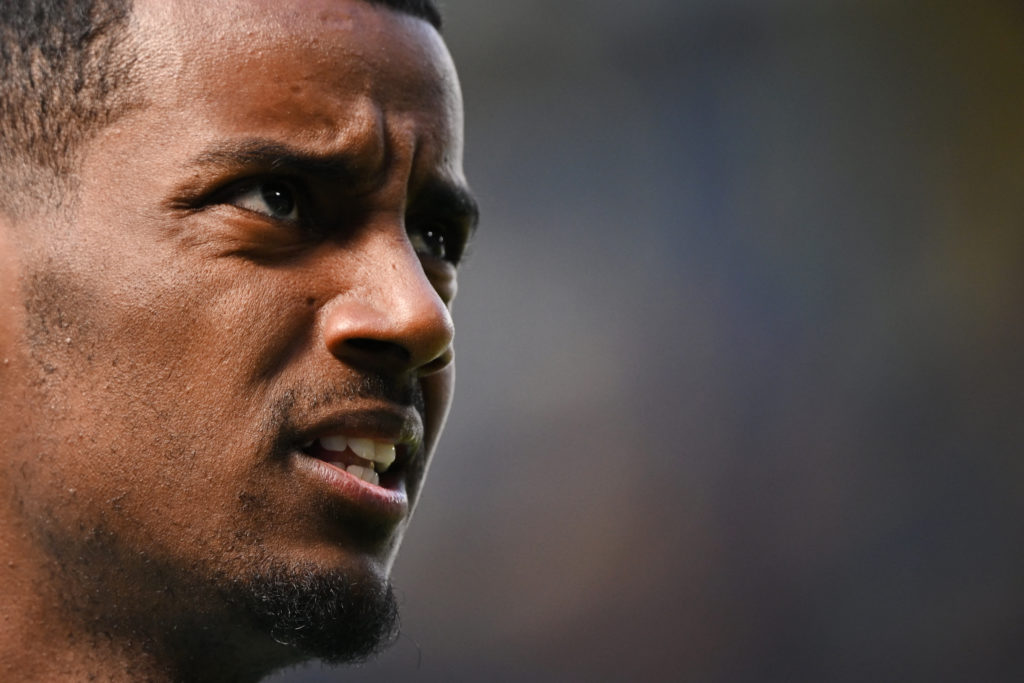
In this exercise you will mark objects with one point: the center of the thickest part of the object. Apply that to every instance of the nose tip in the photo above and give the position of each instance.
(399, 324)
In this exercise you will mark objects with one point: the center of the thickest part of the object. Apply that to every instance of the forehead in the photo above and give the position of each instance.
(312, 70)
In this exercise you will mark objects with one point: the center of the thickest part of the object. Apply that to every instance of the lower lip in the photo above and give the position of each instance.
(379, 502)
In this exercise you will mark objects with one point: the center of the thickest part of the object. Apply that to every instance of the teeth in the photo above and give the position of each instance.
(380, 453)
(367, 474)
(384, 455)
(364, 448)
(334, 443)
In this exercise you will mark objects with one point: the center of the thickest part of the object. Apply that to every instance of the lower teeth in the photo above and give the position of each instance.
(367, 474)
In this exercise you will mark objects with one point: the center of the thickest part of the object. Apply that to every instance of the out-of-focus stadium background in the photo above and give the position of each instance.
(741, 350)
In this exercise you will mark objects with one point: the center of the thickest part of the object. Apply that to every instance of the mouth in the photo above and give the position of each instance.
(369, 460)
(362, 465)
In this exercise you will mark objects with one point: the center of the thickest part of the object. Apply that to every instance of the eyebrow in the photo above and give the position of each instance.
(279, 157)
(451, 198)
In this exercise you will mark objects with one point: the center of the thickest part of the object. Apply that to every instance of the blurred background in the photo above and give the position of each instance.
(741, 377)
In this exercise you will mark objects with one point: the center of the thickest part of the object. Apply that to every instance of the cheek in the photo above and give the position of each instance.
(162, 397)
(138, 378)
(438, 389)
(437, 396)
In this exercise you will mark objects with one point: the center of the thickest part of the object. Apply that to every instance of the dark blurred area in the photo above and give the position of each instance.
(740, 350)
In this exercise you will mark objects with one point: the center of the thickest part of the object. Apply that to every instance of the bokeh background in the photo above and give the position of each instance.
(741, 377)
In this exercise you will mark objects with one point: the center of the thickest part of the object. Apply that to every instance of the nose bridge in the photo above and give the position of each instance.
(389, 317)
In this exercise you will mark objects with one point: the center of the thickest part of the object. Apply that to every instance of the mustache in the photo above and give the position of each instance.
(297, 405)
(364, 387)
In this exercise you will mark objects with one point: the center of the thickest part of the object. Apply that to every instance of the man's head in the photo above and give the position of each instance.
(227, 258)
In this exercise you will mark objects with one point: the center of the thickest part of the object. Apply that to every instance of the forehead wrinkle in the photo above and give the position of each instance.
(364, 135)
(337, 101)
(338, 56)
(357, 154)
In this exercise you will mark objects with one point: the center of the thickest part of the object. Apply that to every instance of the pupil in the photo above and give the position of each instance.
(278, 199)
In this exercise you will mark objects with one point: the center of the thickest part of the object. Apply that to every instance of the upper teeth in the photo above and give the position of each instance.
(382, 453)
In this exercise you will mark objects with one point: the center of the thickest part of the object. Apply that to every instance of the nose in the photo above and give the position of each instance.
(393, 320)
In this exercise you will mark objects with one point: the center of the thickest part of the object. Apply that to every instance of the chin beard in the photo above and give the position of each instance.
(318, 613)
(232, 625)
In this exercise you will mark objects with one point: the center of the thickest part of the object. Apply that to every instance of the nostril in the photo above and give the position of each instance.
(379, 348)
(438, 364)
(405, 331)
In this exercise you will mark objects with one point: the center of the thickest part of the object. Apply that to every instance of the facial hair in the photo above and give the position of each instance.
(320, 614)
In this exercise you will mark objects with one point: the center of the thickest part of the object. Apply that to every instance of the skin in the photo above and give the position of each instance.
(169, 341)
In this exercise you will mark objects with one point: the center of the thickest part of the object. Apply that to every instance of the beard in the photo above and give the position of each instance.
(274, 614)
(317, 613)
(289, 612)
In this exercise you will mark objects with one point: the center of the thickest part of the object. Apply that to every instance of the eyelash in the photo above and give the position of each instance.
(269, 186)
(447, 238)
(448, 242)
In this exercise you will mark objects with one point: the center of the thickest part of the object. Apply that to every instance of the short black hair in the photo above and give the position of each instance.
(65, 74)
(424, 9)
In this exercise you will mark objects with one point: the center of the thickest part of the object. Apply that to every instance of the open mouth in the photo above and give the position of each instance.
(370, 460)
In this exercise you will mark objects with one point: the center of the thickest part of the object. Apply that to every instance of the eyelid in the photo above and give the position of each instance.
(234, 189)
(250, 197)
(454, 231)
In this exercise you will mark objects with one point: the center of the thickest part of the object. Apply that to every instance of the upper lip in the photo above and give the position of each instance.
(401, 426)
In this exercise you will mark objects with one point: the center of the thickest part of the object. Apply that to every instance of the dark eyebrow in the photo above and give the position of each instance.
(451, 199)
(275, 156)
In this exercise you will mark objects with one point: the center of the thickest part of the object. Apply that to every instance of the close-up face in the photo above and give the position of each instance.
(231, 354)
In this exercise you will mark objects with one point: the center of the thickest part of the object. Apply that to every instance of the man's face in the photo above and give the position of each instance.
(247, 301)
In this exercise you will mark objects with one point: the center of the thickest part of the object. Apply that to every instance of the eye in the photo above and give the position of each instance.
(273, 198)
(429, 240)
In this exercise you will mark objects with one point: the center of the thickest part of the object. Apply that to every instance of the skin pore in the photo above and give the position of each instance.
(260, 257)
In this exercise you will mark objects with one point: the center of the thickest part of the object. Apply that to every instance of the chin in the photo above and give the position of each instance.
(319, 613)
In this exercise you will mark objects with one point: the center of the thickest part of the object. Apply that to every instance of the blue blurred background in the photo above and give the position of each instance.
(740, 368)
